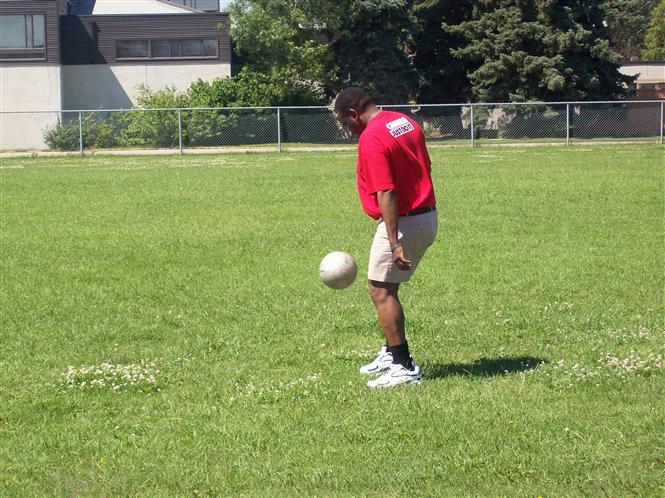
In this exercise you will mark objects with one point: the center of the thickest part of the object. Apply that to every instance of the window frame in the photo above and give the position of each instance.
(151, 57)
(42, 51)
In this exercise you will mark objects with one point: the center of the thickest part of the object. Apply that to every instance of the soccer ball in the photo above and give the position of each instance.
(338, 270)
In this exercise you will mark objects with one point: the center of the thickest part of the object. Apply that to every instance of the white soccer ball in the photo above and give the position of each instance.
(338, 270)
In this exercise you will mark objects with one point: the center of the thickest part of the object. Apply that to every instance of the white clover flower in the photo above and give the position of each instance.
(112, 376)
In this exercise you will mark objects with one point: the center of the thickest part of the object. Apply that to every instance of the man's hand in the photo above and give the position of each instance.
(388, 204)
(400, 260)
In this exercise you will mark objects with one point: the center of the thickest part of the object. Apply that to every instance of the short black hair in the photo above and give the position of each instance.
(352, 98)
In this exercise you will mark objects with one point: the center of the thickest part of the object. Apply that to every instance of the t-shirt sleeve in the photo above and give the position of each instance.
(378, 173)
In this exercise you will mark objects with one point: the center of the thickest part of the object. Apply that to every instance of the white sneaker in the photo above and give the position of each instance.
(397, 375)
(382, 362)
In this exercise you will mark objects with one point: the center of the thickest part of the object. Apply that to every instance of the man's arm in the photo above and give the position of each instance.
(388, 204)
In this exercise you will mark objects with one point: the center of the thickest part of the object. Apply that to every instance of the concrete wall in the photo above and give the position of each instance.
(27, 88)
(99, 86)
(113, 86)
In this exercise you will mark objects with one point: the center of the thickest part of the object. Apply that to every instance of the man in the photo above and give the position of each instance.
(395, 188)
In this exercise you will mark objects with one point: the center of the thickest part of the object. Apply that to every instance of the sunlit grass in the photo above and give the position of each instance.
(538, 317)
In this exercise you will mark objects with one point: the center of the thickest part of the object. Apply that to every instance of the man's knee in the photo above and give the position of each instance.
(380, 292)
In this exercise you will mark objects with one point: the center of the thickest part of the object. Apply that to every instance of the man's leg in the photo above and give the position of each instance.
(391, 318)
(389, 310)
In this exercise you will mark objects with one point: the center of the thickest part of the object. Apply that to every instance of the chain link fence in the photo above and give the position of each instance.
(315, 128)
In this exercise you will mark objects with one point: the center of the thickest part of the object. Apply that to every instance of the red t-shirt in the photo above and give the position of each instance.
(392, 156)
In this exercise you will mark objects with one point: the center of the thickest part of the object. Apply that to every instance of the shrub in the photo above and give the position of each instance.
(63, 136)
(152, 127)
(252, 88)
(95, 130)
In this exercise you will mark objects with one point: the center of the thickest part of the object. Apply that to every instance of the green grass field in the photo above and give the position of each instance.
(164, 331)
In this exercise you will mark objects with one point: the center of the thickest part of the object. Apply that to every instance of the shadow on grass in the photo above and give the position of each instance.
(485, 367)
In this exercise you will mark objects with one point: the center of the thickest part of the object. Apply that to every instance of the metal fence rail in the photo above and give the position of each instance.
(315, 128)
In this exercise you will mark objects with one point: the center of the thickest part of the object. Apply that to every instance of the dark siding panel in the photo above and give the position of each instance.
(77, 43)
(50, 9)
(77, 34)
(61, 7)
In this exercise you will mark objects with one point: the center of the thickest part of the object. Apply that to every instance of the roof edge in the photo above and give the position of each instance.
(642, 63)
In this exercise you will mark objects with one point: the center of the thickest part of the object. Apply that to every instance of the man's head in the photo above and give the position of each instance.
(353, 108)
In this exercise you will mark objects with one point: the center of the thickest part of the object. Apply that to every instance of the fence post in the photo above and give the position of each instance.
(567, 124)
(279, 130)
(472, 130)
(81, 132)
(662, 118)
(180, 130)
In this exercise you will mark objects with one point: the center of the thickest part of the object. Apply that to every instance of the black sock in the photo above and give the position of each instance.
(401, 355)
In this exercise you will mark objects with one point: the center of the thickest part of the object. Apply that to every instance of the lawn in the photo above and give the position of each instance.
(164, 331)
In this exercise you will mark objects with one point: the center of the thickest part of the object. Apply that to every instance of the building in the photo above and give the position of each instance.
(650, 83)
(86, 54)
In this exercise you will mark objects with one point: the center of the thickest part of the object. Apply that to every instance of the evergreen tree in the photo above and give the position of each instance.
(372, 50)
(443, 77)
(539, 50)
(655, 37)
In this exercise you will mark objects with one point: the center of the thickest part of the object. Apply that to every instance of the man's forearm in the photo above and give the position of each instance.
(388, 205)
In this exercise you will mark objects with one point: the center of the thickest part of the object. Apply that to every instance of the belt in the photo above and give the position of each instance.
(418, 211)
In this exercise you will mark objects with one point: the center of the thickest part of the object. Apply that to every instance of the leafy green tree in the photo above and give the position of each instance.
(286, 40)
(655, 37)
(443, 77)
(627, 22)
(325, 44)
(539, 50)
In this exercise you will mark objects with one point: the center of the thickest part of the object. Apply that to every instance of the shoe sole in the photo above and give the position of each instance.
(384, 386)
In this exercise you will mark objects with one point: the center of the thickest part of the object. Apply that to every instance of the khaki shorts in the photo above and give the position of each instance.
(415, 233)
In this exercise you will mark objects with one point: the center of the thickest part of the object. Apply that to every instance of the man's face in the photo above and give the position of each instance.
(351, 121)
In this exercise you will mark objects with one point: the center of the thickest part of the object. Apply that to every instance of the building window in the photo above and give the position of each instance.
(167, 49)
(162, 48)
(23, 37)
(132, 49)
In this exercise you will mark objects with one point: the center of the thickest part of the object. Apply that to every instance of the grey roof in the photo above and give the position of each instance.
(91, 7)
